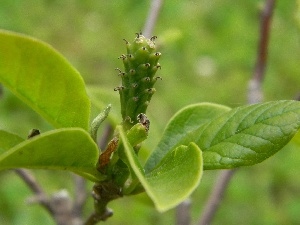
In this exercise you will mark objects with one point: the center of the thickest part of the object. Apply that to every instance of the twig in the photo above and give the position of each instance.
(255, 93)
(182, 210)
(103, 193)
(59, 205)
(80, 183)
(216, 196)
(62, 204)
(152, 17)
(100, 195)
(80, 196)
(183, 213)
(31, 182)
(95, 218)
(254, 96)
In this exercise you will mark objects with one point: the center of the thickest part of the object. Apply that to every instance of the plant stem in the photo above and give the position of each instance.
(255, 93)
(103, 193)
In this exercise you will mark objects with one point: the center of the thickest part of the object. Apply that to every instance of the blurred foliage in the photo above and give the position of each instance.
(208, 54)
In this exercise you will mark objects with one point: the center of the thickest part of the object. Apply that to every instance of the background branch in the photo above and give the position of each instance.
(152, 17)
(31, 182)
(216, 196)
(254, 92)
(183, 209)
(59, 205)
(183, 216)
(106, 136)
(80, 196)
(255, 95)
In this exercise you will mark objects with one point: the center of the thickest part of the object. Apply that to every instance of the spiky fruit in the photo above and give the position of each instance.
(141, 64)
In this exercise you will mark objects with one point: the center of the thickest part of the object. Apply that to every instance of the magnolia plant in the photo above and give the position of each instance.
(203, 136)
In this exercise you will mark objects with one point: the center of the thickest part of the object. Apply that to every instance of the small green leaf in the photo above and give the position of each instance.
(63, 149)
(98, 121)
(181, 129)
(173, 179)
(249, 134)
(137, 134)
(101, 97)
(43, 79)
(8, 140)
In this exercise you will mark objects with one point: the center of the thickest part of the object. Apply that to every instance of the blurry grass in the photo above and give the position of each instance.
(208, 54)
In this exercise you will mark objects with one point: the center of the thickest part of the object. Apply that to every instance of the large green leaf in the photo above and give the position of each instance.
(249, 134)
(180, 129)
(297, 13)
(63, 149)
(173, 179)
(8, 140)
(43, 79)
(296, 138)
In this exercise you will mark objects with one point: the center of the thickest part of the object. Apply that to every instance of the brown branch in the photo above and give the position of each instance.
(59, 205)
(80, 196)
(255, 93)
(216, 196)
(152, 17)
(31, 182)
(95, 218)
(103, 193)
(182, 210)
(183, 213)
(62, 204)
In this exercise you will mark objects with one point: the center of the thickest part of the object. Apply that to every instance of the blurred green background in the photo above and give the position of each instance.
(208, 54)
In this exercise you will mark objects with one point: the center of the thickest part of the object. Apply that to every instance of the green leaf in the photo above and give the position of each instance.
(63, 149)
(8, 140)
(137, 134)
(296, 139)
(249, 134)
(297, 13)
(173, 179)
(43, 79)
(181, 129)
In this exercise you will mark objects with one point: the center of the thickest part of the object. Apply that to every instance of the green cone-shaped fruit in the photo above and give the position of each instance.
(141, 64)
